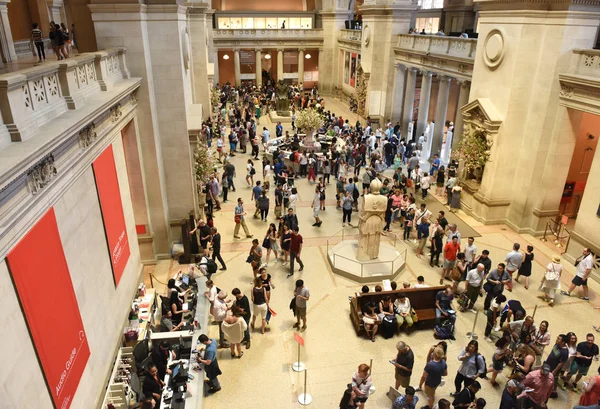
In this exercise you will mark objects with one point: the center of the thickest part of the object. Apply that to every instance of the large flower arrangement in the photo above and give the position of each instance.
(215, 98)
(205, 164)
(309, 120)
(473, 151)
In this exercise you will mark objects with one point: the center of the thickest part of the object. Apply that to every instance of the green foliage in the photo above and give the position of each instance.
(205, 164)
(473, 151)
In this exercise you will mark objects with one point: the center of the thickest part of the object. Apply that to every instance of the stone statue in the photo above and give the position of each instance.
(371, 223)
(283, 102)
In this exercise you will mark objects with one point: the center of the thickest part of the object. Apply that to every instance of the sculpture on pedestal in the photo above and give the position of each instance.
(283, 102)
(371, 223)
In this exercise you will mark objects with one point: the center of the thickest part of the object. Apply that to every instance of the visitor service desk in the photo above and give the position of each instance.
(193, 398)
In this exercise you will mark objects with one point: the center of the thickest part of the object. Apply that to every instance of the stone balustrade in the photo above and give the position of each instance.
(268, 34)
(350, 35)
(32, 97)
(463, 48)
(586, 62)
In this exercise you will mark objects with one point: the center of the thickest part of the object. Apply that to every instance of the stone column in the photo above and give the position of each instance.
(199, 59)
(216, 66)
(424, 102)
(463, 99)
(6, 39)
(301, 68)
(258, 67)
(236, 67)
(329, 62)
(441, 109)
(409, 100)
(279, 64)
(399, 78)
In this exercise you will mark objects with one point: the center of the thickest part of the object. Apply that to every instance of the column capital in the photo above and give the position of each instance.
(464, 83)
(444, 77)
(258, 50)
(426, 73)
(236, 50)
(280, 50)
(414, 70)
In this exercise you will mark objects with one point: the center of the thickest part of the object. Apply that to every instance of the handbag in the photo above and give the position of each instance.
(250, 258)
(552, 275)
(293, 305)
(266, 243)
(413, 315)
(237, 218)
(455, 275)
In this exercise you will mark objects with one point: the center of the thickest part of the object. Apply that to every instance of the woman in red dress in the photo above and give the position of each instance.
(592, 391)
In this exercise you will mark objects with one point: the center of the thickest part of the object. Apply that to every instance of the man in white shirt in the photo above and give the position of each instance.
(513, 260)
(265, 135)
(474, 280)
(452, 232)
(422, 213)
(420, 283)
(470, 252)
(584, 268)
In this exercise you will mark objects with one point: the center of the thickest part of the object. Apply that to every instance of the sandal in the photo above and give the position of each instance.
(241, 355)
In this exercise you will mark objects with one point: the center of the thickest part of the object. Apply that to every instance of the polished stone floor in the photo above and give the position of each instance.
(263, 378)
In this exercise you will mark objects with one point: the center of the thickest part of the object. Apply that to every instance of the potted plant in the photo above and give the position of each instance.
(473, 152)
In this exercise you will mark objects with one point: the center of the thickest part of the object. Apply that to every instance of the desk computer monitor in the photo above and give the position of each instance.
(185, 279)
(176, 370)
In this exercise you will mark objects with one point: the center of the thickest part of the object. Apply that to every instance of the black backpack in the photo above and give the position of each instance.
(355, 193)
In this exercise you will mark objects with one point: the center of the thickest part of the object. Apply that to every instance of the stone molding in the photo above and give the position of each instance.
(580, 92)
(482, 114)
(445, 55)
(26, 193)
(263, 38)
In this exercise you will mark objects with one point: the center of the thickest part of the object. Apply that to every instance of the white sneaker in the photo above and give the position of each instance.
(497, 329)
(284, 264)
(488, 339)
(343, 224)
(473, 310)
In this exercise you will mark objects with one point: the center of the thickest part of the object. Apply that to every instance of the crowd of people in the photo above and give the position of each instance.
(357, 155)
(62, 40)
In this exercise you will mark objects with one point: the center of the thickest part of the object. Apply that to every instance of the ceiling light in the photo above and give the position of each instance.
(226, 56)
(267, 56)
(307, 56)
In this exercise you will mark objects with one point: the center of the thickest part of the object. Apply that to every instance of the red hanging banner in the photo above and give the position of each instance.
(41, 276)
(109, 194)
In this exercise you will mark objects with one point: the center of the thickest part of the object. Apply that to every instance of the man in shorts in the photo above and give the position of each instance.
(404, 364)
(584, 268)
(586, 351)
(513, 261)
(451, 250)
(302, 295)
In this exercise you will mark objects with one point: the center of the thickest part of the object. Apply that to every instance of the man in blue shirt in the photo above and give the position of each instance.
(435, 165)
(407, 401)
(211, 366)
(278, 130)
(256, 193)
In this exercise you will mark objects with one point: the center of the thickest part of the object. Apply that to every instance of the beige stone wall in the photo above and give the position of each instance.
(103, 308)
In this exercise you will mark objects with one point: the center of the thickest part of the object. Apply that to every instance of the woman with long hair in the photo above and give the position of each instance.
(260, 303)
(271, 236)
(499, 358)
(250, 171)
(233, 327)
(523, 360)
(286, 238)
(471, 367)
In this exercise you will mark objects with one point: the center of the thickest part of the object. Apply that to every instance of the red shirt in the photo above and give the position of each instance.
(295, 242)
(451, 250)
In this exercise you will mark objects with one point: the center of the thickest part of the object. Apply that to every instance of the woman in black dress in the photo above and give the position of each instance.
(525, 269)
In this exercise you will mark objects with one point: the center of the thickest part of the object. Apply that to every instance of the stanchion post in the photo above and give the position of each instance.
(472, 335)
(534, 311)
(305, 398)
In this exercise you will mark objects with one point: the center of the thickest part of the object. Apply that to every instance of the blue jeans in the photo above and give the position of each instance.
(439, 315)
(214, 383)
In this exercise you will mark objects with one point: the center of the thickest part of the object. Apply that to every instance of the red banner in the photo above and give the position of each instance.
(109, 194)
(299, 338)
(43, 282)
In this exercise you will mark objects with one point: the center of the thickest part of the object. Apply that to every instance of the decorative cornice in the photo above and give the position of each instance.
(116, 113)
(41, 174)
(87, 136)
(580, 92)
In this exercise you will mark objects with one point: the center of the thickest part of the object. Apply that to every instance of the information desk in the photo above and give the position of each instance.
(193, 397)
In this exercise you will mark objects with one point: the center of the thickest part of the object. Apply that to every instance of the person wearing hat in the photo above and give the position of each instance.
(551, 281)
(538, 386)
(509, 395)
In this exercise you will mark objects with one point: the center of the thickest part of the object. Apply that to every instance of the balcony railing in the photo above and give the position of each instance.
(32, 97)
(260, 34)
(444, 46)
(586, 62)
(350, 35)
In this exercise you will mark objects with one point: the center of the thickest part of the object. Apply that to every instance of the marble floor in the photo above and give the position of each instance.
(263, 378)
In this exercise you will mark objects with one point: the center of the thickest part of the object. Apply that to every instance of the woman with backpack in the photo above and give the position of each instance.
(472, 366)
(250, 172)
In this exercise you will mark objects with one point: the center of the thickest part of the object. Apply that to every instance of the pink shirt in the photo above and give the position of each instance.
(542, 386)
